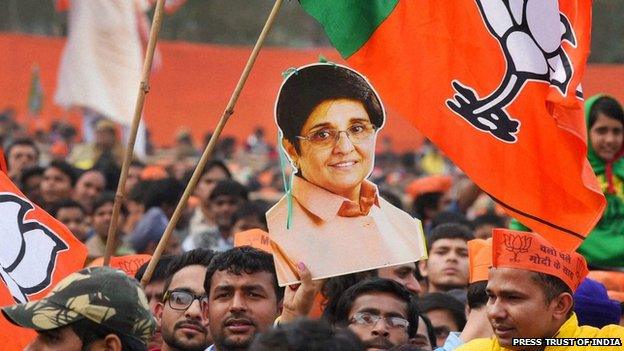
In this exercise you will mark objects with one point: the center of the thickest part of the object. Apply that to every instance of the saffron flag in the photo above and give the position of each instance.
(496, 85)
(36, 252)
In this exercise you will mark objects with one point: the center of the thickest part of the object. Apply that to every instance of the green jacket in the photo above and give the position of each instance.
(604, 246)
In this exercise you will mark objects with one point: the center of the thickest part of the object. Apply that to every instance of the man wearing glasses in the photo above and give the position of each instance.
(183, 324)
(380, 311)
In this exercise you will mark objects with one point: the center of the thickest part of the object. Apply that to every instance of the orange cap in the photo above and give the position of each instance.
(429, 184)
(530, 251)
(480, 258)
(256, 238)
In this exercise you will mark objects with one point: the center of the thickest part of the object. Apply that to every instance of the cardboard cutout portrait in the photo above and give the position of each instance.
(332, 218)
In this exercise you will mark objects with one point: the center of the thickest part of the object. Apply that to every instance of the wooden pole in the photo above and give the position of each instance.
(143, 90)
(229, 110)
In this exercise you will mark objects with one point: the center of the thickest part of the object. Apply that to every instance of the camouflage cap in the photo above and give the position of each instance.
(104, 295)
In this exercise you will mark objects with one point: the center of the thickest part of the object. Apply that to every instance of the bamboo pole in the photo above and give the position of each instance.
(143, 90)
(229, 110)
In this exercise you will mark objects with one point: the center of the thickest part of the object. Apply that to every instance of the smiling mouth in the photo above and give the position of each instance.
(345, 164)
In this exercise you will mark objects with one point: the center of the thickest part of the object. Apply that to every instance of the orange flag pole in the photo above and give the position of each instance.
(143, 90)
(229, 110)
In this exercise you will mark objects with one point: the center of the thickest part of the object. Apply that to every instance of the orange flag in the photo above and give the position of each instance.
(496, 85)
(36, 252)
(130, 264)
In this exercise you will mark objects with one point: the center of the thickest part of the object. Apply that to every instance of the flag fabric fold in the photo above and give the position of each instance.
(496, 85)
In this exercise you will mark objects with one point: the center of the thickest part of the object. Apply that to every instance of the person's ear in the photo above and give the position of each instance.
(422, 268)
(158, 311)
(561, 306)
(110, 343)
(290, 150)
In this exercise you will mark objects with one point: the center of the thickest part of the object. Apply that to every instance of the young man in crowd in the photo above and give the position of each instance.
(154, 293)
(380, 311)
(89, 187)
(102, 213)
(477, 324)
(530, 295)
(225, 199)
(20, 155)
(447, 266)
(182, 323)
(243, 297)
(58, 183)
(73, 216)
(203, 220)
(97, 308)
(445, 312)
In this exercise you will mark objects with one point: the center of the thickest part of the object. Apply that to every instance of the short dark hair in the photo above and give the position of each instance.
(476, 297)
(161, 192)
(376, 285)
(199, 256)
(65, 203)
(430, 330)
(309, 86)
(160, 271)
(334, 287)
(609, 107)
(250, 209)
(449, 231)
(424, 202)
(229, 187)
(444, 217)
(551, 285)
(309, 335)
(30, 172)
(89, 331)
(67, 169)
(22, 142)
(243, 259)
(105, 198)
(442, 301)
(488, 218)
(216, 163)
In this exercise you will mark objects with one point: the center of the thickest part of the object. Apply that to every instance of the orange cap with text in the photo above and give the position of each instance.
(256, 238)
(530, 251)
(480, 258)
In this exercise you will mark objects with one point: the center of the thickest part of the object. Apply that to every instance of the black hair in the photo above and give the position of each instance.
(488, 218)
(407, 347)
(30, 172)
(89, 331)
(244, 259)
(162, 192)
(609, 107)
(105, 198)
(215, 163)
(309, 335)
(340, 316)
(22, 142)
(160, 271)
(66, 169)
(443, 217)
(424, 202)
(551, 286)
(449, 231)
(199, 256)
(442, 301)
(229, 187)
(334, 287)
(476, 297)
(250, 209)
(310, 86)
(65, 203)
(430, 330)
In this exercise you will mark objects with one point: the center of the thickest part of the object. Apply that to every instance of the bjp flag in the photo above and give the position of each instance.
(496, 85)
(36, 252)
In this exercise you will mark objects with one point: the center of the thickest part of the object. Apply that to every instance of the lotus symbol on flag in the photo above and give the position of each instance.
(530, 33)
(517, 244)
(28, 251)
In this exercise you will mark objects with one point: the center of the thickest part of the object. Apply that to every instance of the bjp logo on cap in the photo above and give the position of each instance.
(517, 244)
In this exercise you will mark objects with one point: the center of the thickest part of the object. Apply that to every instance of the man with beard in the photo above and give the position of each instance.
(380, 311)
(181, 319)
(243, 297)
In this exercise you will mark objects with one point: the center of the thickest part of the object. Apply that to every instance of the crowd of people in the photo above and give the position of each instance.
(479, 288)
